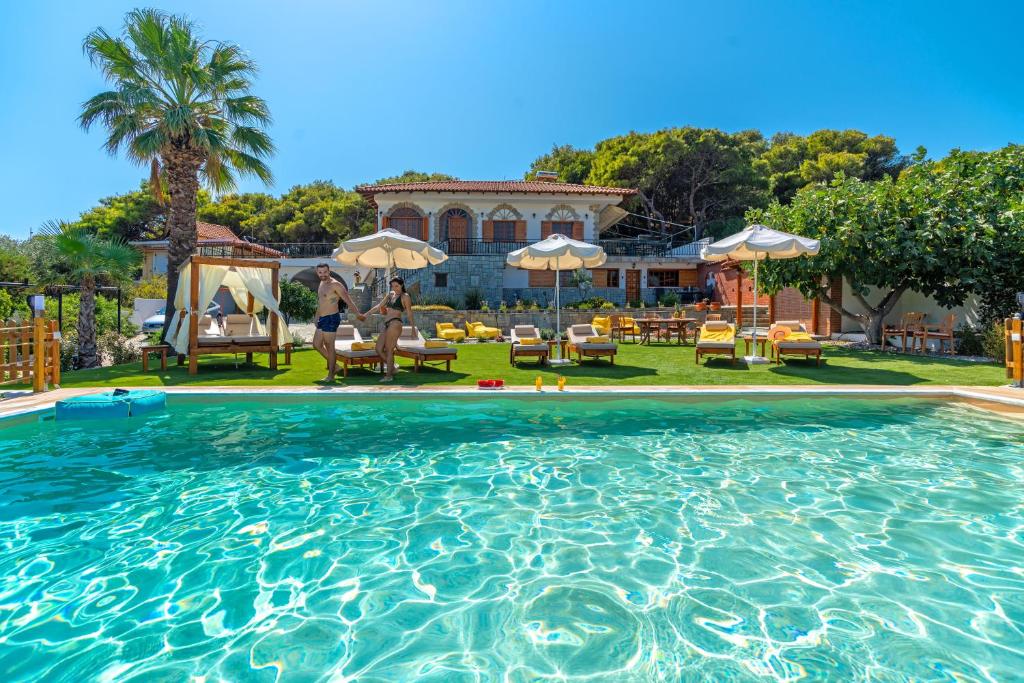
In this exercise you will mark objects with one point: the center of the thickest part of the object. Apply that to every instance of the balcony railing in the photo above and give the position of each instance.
(628, 247)
(301, 249)
(461, 246)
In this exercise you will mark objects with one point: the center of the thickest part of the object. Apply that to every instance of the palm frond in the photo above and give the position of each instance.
(249, 165)
(252, 140)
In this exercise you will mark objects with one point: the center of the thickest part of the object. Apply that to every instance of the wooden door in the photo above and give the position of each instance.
(632, 286)
(458, 229)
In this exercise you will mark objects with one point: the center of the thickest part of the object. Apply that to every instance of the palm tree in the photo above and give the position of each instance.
(182, 105)
(87, 259)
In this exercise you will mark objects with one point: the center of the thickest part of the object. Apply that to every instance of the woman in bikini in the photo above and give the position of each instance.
(392, 306)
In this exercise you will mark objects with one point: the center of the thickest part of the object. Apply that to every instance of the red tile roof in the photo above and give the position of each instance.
(212, 231)
(494, 186)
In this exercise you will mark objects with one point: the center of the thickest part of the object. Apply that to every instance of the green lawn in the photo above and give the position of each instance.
(657, 365)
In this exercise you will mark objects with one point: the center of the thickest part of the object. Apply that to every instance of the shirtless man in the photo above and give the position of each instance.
(328, 316)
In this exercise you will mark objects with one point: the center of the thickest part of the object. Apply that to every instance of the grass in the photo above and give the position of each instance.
(664, 364)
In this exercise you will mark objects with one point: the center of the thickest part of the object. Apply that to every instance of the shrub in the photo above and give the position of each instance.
(589, 304)
(484, 307)
(69, 351)
(968, 341)
(473, 299)
(435, 303)
(117, 348)
(547, 333)
(106, 315)
(670, 300)
(298, 302)
(13, 306)
(503, 307)
(607, 306)
(297, 341)
(432, 307)
(152, 287)
(993, 341)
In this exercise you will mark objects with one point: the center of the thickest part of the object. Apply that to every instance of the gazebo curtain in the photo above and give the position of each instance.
(210, 279)
(241, 281)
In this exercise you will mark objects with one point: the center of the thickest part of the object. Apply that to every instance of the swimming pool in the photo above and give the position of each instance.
(502, 539)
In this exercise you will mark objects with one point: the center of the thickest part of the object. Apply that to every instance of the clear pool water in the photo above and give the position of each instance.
(451, 540)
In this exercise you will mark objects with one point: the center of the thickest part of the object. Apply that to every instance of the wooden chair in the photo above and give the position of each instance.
(909, 323)
(943, 332)
(713, 317)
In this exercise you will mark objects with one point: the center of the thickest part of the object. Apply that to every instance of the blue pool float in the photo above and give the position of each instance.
(117, 403)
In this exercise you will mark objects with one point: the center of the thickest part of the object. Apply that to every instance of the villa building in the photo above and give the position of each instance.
(477, 223)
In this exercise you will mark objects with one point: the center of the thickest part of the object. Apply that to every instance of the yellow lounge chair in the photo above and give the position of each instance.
(526, 341)
(790, 338)
(603, 324)
(449, 332)
(480, 331)
(716, 337)
(587, 343)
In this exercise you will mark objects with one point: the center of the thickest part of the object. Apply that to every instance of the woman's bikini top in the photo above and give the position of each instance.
(391, 303)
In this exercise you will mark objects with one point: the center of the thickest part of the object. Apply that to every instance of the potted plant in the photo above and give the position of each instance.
(715, 305)
(701, 305)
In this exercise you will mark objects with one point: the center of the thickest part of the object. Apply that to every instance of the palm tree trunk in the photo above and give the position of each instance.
(87, 355)
(182, 169)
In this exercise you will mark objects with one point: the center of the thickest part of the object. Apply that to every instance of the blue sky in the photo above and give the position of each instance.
(361, 90)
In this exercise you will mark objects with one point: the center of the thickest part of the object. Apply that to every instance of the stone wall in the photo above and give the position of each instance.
(482, 272)
(543, 319)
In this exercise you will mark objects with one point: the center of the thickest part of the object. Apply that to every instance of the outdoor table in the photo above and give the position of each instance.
(747, 335)
(563, 343)
(649, 326)
(154, 348)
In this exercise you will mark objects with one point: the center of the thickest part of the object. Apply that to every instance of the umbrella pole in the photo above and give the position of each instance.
(754, 358)
(558, 312)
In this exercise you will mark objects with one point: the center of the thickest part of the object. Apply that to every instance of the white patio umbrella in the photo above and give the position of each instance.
(557, 253)
(756, 243)
(388, 249)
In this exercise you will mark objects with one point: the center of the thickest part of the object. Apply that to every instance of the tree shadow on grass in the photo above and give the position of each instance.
(811, 373)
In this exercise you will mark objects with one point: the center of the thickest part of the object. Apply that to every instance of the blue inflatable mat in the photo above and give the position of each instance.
(107, 405)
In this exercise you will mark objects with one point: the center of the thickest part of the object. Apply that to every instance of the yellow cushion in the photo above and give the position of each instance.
(725, 335)
(598, 340)
(603, 324)
(798, 337)
(363, 346)
(530, 341)
(435, 344)
(445, 326)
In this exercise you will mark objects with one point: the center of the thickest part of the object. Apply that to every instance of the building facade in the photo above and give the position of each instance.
(477, 223)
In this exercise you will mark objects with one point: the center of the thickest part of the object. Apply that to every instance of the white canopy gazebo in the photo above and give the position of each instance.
(254, 285)
(557, 253)
(757, 243)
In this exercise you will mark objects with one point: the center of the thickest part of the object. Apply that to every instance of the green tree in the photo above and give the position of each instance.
(936, 230)
(694, 176)
(134, 215)
(183, 105)
(15, 264)
(794, 161)
(414, 177)
(571, 164)
(298, 302)
(89, 259)
(241, 213)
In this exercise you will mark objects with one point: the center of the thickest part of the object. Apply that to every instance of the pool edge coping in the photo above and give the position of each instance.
(36, 403)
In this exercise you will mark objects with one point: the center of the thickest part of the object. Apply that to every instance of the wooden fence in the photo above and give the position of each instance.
(30, 352)
(1014, 351)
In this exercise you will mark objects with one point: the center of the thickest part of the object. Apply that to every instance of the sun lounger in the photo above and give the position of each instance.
(717, 337)
(790, 338)
(449, 332)
(535, 346)
(411, 344)
(347, 338)
(587, 343)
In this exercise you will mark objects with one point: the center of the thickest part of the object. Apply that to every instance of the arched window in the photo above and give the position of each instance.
(562, 218)
(407, 221)
(505, 225)
(454, 229)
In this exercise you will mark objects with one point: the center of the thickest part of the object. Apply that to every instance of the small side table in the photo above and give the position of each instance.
(562, 346)
(154, 348)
